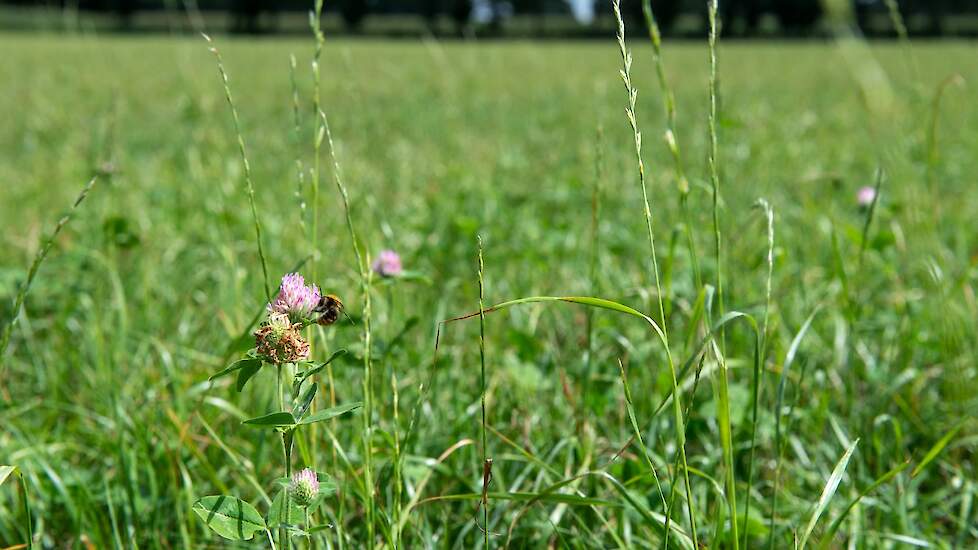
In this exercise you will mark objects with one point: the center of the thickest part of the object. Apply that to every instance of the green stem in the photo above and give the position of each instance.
(365, 274)
(632, 94)
(669, 103)
(284, 541)
(593, 253)
(246, 165)
(715, 180)
(318, 136)
(398, 465)
(27, 511)
(482, 361)
(714, 162)
(32, 272)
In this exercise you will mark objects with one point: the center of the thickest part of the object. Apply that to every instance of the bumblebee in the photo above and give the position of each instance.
(329, 309)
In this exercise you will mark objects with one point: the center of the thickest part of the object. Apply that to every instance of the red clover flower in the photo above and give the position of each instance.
(387, 264)
(295, 298)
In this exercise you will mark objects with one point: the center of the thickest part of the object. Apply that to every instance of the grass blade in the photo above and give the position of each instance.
(638, 433)
(830, 533)
(332, 412)
(936, 449)
(281, 419)
(28, 520)
(827, 493)
(5, 472)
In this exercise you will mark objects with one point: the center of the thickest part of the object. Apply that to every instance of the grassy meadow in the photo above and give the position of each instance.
(115, 431)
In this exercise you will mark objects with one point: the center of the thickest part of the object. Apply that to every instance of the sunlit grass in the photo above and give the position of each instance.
(104, 394)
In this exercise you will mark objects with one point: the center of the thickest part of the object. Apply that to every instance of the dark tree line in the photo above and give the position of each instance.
(792, 15)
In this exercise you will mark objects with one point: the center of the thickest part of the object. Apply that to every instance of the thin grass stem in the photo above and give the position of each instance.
(245, 164)
(769, 216)
(35, 266)
(593, 253)
(365, 282)
(632, 94)
(487, 465)
(315, 24)
(300, 183)
(713, 160)
(669, 104)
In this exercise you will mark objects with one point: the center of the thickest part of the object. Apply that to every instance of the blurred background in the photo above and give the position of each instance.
(484, 18)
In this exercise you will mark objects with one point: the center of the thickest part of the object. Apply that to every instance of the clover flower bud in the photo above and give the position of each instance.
(304, 487)
(865, 196)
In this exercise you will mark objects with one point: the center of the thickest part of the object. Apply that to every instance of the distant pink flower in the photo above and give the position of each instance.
(865, 196)
(387, 264)
(304, 487)
(295, 299)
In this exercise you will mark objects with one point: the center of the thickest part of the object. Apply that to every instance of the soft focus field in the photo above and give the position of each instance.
(104, 402)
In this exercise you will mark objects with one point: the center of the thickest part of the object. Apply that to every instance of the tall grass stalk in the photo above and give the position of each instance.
(32, 271)
(300, 179)
(893, 9)
(669, 103)
(724, 403)
(486, 463)
(714, 166)
(365, 275)
(315, 23)
(632, 94)
(244, 163)
(769, 217)
(593, 253)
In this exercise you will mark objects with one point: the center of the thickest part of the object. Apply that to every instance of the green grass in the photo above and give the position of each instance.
(104, 400)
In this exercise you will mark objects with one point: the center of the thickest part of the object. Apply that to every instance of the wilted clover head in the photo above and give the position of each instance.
(278, 340)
